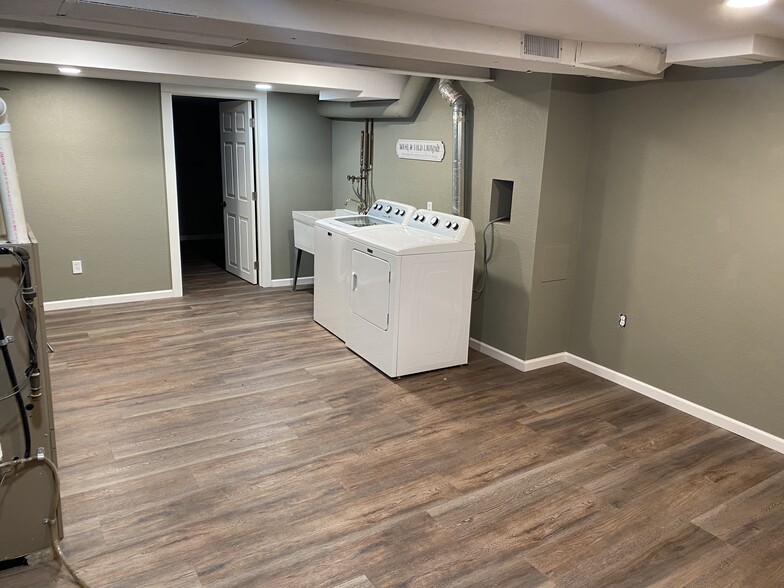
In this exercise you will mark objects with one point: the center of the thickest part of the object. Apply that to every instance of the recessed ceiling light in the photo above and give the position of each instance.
(69, 71)
(745, 3)
(263, 87)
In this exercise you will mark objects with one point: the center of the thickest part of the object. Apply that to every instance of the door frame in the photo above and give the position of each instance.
(261, 158)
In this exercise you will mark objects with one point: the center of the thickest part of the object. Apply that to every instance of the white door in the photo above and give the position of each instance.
(370, 283)
(239, 185)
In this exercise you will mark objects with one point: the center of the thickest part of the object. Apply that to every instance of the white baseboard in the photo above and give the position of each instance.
(283, 282)
(501, 356)
(544, 361)
(687, 406)
(524, 365)
(103, 300)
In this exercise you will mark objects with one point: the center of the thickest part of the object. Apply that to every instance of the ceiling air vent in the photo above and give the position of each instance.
(125, 5)
(539, 46)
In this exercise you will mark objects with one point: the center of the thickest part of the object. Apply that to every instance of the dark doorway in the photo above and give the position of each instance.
(199, 196)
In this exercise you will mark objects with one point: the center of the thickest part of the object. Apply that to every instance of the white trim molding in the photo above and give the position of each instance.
(524, 365)
(283, 282)
(170, 174)
(263, 215)
(687, 406)
(259, 100)
(104, 300)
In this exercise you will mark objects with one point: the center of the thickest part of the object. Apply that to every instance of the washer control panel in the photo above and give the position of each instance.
(440, 223)
(394, 212)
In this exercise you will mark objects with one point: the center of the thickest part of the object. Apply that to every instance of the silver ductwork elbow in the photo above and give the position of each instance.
(411, 100)
(458, 103)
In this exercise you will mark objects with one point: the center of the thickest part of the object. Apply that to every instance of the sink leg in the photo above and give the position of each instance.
(296, 269)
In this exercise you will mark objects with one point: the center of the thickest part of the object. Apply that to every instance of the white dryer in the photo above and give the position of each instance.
(410, 294)
(332, 258)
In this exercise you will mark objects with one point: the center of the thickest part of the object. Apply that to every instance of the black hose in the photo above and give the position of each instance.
(28, 295)
(9, 366)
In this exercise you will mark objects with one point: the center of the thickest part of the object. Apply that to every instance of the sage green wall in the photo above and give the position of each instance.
(90, 161)
(300, 169)
(560, 210)
(508, 123)
(510, 128)
(682, 231)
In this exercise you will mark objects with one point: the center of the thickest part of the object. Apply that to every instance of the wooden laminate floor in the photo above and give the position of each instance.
(224, 439)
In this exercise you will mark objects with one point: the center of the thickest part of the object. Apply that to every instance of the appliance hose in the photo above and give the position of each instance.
(52, 519)
(487, 255)
(9, 366)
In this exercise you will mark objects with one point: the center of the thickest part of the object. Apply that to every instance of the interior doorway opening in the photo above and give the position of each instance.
(259, 161)
(199, 182)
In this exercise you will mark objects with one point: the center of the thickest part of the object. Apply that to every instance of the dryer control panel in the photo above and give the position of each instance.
(440, 223)
(394, 212)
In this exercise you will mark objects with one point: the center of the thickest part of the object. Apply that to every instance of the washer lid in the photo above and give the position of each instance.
(402, 240)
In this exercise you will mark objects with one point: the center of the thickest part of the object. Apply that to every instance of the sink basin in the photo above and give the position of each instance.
(303, 225)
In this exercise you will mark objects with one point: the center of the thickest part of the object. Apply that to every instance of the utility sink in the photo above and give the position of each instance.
(303, 225)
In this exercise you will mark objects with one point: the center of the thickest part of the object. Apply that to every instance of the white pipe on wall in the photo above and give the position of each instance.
(10, 194)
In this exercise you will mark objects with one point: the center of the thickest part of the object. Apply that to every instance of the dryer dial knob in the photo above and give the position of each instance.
(448, 224)
(434, 221)
(455, 226)
(388, 209)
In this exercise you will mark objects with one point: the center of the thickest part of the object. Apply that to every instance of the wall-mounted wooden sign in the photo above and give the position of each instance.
(422, 150)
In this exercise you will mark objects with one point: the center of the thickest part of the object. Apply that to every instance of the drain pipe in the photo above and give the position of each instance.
(10, 196)
(457, 101)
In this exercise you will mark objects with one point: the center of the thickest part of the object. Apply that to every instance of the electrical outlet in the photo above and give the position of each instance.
(76, 265)
(621, 320)
(430, 206)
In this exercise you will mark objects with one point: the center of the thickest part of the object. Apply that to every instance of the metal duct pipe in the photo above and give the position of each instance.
(642, 58)
(458, 104)
(405, 107)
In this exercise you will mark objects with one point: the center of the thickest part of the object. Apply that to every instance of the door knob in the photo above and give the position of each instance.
(223, 204)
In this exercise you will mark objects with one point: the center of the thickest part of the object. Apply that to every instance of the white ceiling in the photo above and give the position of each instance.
(463, 39)
(651, 22)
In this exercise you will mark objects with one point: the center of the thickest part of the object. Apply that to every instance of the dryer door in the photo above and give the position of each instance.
(369, 296)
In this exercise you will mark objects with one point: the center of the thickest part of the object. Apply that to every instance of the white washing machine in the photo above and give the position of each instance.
(410, 293)
(332, 258)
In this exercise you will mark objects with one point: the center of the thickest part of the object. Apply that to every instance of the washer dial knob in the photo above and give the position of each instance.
(434, 221)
